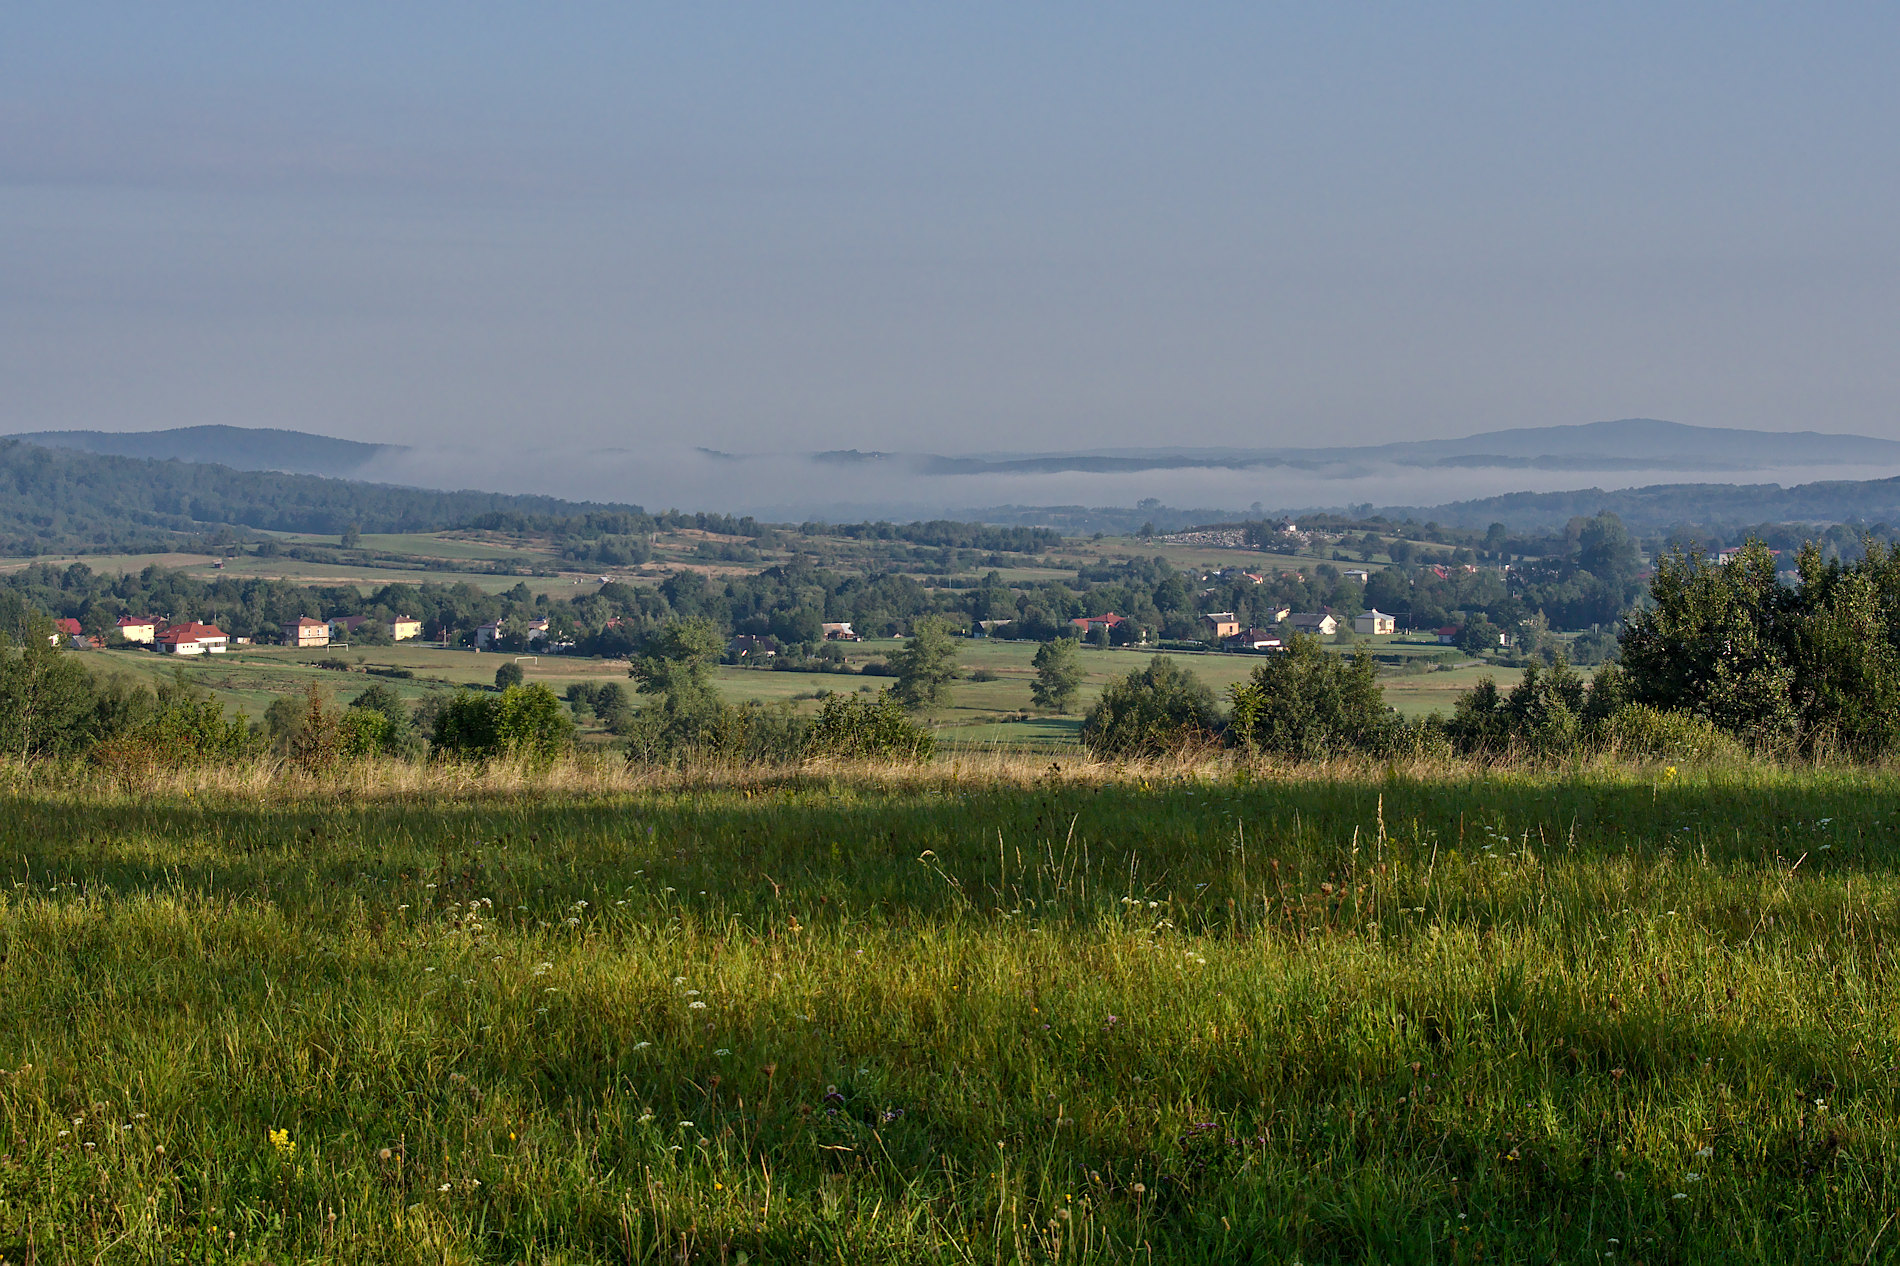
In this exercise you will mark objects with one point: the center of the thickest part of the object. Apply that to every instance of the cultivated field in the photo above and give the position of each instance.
(967, 1014)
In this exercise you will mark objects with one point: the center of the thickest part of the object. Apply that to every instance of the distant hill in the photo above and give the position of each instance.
(59, 499)
(1628, 444)
(1661, 506)
(240, 448)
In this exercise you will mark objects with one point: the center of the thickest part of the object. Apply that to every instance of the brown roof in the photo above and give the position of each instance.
(305, 622)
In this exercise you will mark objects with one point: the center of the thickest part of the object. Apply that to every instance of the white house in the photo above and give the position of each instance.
(1374, 623)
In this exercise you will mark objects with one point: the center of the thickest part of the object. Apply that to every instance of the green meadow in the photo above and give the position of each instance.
(1030, 1012)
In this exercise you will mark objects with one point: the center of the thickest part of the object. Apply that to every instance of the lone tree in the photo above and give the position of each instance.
(676, 664)
(1058, 675)
(926, 665)
(508, 675)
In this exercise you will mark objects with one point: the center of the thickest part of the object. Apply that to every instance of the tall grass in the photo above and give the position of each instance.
(952, 1014)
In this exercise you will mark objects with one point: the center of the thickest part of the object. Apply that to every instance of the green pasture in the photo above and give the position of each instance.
(366, 578)
(999, 712)
(1618, 1015)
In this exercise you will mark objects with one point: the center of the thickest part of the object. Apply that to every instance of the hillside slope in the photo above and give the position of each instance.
(56, 499)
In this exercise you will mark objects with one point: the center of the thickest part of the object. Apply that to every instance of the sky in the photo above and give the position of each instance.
(951, 228)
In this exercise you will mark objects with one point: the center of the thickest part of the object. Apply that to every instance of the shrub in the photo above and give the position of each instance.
(1544, 713)
(750, 733)
(1152, 711)
(1639, 730)
(1305, 703)
(523, 721)
(875, 728)
(508, 675)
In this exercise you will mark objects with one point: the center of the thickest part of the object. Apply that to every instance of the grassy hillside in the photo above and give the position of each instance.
(1599, 1017)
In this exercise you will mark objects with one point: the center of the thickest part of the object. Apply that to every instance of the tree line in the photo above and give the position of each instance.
(1725, 657)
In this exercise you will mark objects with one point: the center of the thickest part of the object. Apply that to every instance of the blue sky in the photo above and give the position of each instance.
(952, 228)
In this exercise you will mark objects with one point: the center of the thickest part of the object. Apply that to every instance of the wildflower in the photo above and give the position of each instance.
(698, 1006)
(641, 1046)
(722, 1051)
(285, 1145)
(1680, 1195)
(542, 969)
(1692, 1177)
(686, 1125)
(645, 1117)
(679, 980)
(1705, 1152)
(444, 1187)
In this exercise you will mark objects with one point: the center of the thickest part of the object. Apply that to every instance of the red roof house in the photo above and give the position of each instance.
(193, 639)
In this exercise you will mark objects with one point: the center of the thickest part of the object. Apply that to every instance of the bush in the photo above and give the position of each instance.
(875, 728)
(750, 733)
(1305, 703)
(523, 721)
(509, 675)
(1544, 713)
(1154, 710)
(1638, 730)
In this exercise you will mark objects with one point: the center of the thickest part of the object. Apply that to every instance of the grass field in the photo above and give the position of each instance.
(988, 713)
(989, 1015)
(366, 578)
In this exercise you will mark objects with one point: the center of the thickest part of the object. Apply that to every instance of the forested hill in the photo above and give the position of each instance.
(240, 447)
(62, 499)
(1661, 506)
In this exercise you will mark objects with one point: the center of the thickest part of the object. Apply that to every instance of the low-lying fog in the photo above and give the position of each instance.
(796, 487)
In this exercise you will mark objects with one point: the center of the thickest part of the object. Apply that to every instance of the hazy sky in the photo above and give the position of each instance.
(953, 227)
